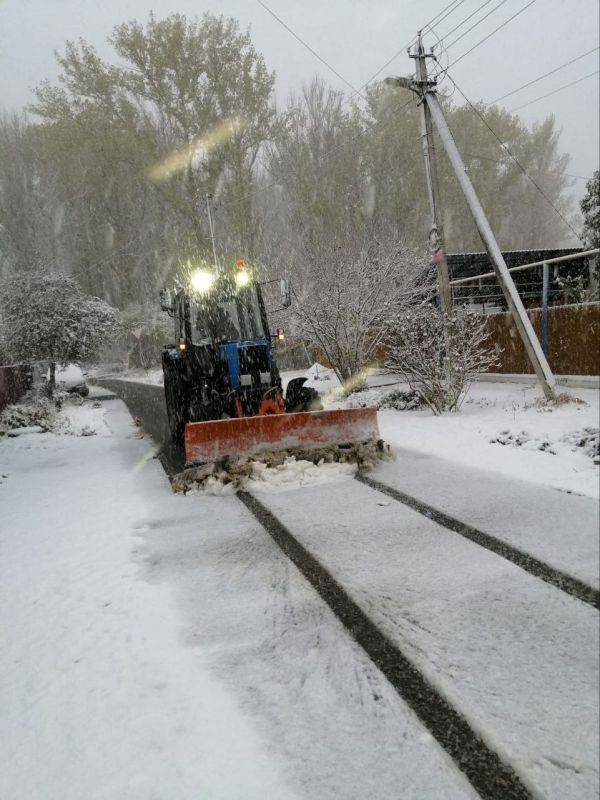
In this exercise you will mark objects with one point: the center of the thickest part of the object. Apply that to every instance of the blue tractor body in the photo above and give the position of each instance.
(221, 364)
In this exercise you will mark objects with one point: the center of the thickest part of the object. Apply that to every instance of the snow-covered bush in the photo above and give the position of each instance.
(439, 356)
(588, 439)
(401, 400)
(348, 292)
(46, 317)
(145, 332)
(34, 411)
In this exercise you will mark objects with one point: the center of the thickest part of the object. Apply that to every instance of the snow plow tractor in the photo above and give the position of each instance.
(222, 387)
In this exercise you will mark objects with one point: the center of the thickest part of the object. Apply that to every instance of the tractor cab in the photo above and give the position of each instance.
(221, 364)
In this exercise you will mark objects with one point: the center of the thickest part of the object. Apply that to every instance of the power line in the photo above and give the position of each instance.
(500, 161)
(545, 75)
(475, 24)
(427, 26)
(309, 48)
(466, 19)
(554, 91)
(485, 38)
(515, 159)
(437, 21)
(454, 3)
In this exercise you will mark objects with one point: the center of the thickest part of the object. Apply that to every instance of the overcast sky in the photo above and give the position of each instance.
(356, 37)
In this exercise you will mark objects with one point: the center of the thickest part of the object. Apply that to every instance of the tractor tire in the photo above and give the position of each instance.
(176, 407)
(299, 397)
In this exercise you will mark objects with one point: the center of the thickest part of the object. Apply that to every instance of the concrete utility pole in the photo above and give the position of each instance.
(436, 234)
(426, 90)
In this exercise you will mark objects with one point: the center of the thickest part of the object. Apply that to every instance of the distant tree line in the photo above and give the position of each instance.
(105, 177)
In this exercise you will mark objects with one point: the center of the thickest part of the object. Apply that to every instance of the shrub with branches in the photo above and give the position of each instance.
(439, 356)
(350, 291)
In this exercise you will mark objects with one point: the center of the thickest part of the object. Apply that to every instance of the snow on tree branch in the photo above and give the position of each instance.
(349, 292)
(46, 317)
(440, 356)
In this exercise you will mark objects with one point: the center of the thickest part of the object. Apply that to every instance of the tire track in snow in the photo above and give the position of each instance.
(487, 773)
(492, 778)
(539, 569)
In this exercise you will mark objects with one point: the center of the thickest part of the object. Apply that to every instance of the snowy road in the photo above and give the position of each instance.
(514, 656)
(161, 646)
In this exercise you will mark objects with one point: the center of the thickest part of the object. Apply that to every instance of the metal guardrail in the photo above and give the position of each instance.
(546, 291)
(521, 267)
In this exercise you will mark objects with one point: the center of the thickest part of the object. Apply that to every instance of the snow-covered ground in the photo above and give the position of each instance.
(100, 697)
(517, 657)
(494, 412)
(161, 646)
(504, 428)
(501, 427)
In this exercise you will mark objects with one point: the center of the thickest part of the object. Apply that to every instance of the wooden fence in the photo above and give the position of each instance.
(573, 340)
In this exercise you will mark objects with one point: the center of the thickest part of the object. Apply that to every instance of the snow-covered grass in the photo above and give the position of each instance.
(506, 428)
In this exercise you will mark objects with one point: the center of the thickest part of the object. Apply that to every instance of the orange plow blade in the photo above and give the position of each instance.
(207, 442)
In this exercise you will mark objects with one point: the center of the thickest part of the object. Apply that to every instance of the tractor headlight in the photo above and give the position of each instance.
(201, 280)
(242, 278)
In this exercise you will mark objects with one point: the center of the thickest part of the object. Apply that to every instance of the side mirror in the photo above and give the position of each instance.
(286, 293)
(166, 301)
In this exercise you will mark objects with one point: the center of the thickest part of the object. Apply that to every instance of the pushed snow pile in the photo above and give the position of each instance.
(291, 473)
(294, 472)
(280, 468)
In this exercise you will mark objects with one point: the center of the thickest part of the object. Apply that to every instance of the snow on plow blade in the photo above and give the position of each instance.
(207, 442)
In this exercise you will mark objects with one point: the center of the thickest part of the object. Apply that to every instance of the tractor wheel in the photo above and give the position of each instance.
(299, 397)
(176, 407)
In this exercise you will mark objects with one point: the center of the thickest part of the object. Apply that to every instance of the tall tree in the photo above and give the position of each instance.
(318, 162)
(590, 208)
(518, 213)
(186, 115)
(27, 203)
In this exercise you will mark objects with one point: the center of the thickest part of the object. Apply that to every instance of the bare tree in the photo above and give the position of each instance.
(439, 356)
(348, 292)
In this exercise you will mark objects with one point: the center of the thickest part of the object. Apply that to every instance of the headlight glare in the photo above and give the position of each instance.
(201, 280)
(242, 278)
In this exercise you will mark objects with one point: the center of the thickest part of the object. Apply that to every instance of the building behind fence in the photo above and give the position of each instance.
(570, 281)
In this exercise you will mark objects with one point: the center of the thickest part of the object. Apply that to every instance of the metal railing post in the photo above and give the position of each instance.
(545, 284)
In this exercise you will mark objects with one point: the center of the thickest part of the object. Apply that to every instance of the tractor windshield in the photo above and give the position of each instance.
(248, 309)
(227, 315)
